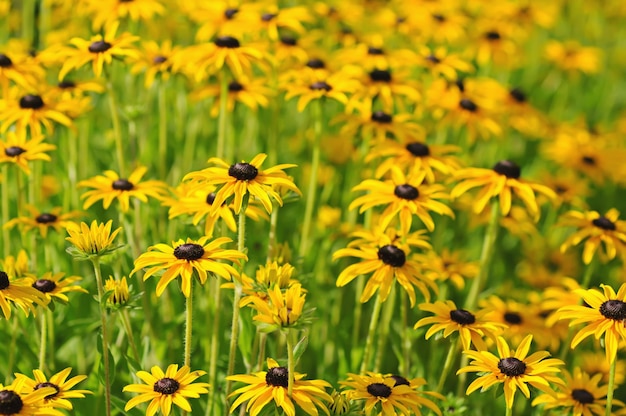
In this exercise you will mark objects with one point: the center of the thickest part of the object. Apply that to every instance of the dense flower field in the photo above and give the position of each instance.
(401, 207)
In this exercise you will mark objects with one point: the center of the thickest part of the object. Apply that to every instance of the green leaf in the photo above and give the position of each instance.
(300, 347)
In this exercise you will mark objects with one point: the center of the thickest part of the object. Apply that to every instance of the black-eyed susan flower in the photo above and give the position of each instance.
(104, 13)
(604, 232)
(163, 389)
(17, 67)
(603, 313)
(111, 186)
(472, 327)
(16, 266)
(280, 309)
(387, 86)
(388, 257)
(118, 291)
(311, 86)
(253, 93)
(35, 110)
(503, 181)
(59, 382)
(15, 148)
(571, 190)
(268, 386)
(441, 63)
(56, 285)
(44, 220)
(20, 293)
(448, 265)
(94, 240)
(519, 318)
(16, 400)
(155, 60)
(220, 17)
(596, 363)
(186, 258)
(404, 196)
(375, 54)
(515, 369)
(272, 20)
(581, 395)
(273, 274)
(244, 178)
(99, 50)
(571, 56)
(387, 394)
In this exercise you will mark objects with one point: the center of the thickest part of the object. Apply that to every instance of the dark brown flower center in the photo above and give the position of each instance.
(44, 285)
(418, 149)
(513, 318)
(316, 63)
(46, 218)
(10, 402)
(277, 376)
(234, 86)
(492, 35)
(512, 367)
(189, 252)
(122, 185)
(400, 381)
(66, 84)
(166, 386)
(99, 46)
(381, 117)
(582, 396)
(518, 95)
(227, 42)
(406, 191)
(268, 17)
(462, 317)
(30, 101)
(469, 105)
(589, 160)
(433, 59)
(14, 151)
(230, 13)
(48, 384)
(159, 59)
(288, 40)
(604, 223)
(392, 255)
(5, 61)
(508, 169)
(613, 309)
(4, 280)
(379, 390)
(380, 75)
(320, 85)
(375, 51)
(243, 171)
(439, 17)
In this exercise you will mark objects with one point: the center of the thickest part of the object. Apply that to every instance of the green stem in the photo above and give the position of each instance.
(588, 274)
(105, 340)
(162, 104)
(28, 22)
(222, 120)
(215, 333)
(384, 330)
(485, 257)
(317, 115)
(271, 245)
(261, 356)
(188, 324)
(117, 131)
(370, 335)
(12, 348)
(129, 333)
(6, 236)
(406, 341)
(290, 361)
(609, 393)
(43, 341)
(509, 411)
(452, 352)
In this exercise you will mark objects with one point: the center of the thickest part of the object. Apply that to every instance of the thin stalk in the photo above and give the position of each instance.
(317, 115)
(384, 330)
(290, 361)
(222, 120)
(162, 104)
(261, 357)
(271, 245)
(406, 341)
(12, 349)
(105, 340)
(509, 411)
(358, 307)
(28, 22)
(6, 236)
(452, 351)
(215, 334)
(609, 393)
(117, 131)
(43, 343)
(370, 335)
(588, 274)
(188, 324)
(129, 333)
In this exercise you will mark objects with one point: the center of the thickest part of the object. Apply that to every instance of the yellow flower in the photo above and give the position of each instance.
(16, 401)
(251, 93)
(439, 62)
(163, 389)
(154, 59)
(59, 382)
(387, 86)
(56, 285)
(95, 240)
(183, 258)
(279, 310)
(448, 266)
(19, 292)
(16, 149)
(34, 110)
(311, 86)
(104, 13)
(118, 289)
(16, 266)
(44, 220)
(572, 56)
(264, 387)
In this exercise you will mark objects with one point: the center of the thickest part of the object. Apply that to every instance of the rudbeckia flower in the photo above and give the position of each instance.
(95, 240)
(279, 310)
(16, 401)
(16, 149)
(104, 13)
(59, 382)
(311, 86)
(20, 293)
(253, 93)
(571, 56)
(56, 285)
(44, 220)
(34, 109)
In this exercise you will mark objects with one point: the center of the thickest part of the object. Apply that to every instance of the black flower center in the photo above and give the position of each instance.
(30, 101)
(418, 149)
(10, 402)
(46, 218)
(230, 13)
(379, 390)
(277, 377)
(316, 63)
(512, 367)
(462, 317)
(234, 86)
(288, 40)
(589, 160)
(99, 46)
(243, 171)
(380, 75)
(66, 84)
(320, 85)
(400, 381)
(582, 396)
(14, 151)
(492, 35)
(392, 256)
(406, 191)
(166, 386)
(518, 95)
(469, 105)
(375, 51)
(513, 318)
(227, 42)
(268, 17)
(48, 384)
(433, 59)
(44, 285)
(508, 169)
(210, 198)
(122, 185)
(4, 280)
(604, 223)
(159, 59)
(614, 309)
(439, 17)
(381, 117)
(189, 251)
(5, 61)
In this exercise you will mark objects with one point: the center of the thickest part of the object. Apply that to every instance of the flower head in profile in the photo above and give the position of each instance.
(281, 309)
(44, 220)
(17, 400)
(387, 394)
(605, 234)
(56, 285)
(515, 369)
(90, 241)
(245, 178)
(16, 149)
(18, 292)
(503, 181)
(110, 187)
(162, 389)
(186, 258)
(59, 382)
(268, 386)
(118, 291)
